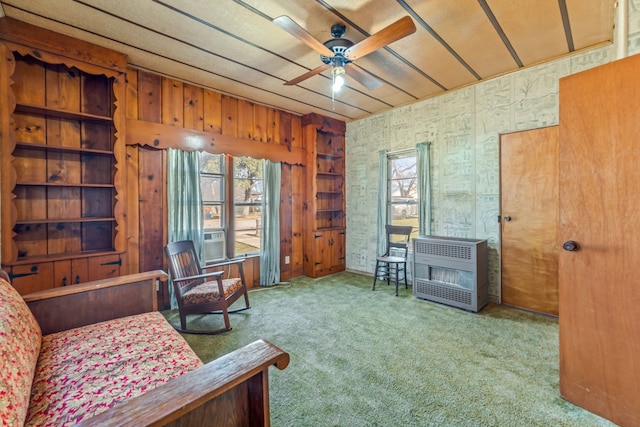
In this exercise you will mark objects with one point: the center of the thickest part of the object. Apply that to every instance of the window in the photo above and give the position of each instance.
(245, 176)
(212, 178)
(247, 201)
(402, 187)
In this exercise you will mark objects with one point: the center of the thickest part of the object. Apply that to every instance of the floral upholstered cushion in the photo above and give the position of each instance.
(84, 371)
(20, 338)
(208, 291)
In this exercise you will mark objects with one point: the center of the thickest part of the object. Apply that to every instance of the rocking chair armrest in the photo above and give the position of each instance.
(199, 276)
(226, 262)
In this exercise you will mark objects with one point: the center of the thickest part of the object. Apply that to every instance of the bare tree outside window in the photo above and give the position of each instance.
(247, 200)
(402, 190)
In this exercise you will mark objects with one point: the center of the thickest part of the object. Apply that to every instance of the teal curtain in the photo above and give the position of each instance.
(382, 202)
(184, 198)
(423, 165)
(270, 224)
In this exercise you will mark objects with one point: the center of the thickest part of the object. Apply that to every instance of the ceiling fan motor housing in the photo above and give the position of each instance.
(338, 45)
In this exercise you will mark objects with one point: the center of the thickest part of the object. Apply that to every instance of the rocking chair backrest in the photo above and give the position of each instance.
(184, 262)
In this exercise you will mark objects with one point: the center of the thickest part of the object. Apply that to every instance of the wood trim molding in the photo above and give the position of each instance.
(37, 41)
(325, 124)
(8, 144)
(161, 136)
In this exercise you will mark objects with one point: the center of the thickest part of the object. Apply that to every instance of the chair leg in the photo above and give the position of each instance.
(404, 274)
(225, 314)
(246, 298)
(375, 276)
(397, 272)
(183, 321)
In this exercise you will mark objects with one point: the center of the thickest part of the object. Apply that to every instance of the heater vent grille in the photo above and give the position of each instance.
(444, 293)
(444, 250)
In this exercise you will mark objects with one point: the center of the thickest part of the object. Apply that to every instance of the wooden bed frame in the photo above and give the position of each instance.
(232, 390)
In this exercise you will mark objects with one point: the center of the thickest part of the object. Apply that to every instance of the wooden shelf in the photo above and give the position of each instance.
(65, 256)
(60, 220)
(64, 184)
(336, 193)
(325, 211)
(63, 114)
(329, 156)
(33, 146)
(334, 174)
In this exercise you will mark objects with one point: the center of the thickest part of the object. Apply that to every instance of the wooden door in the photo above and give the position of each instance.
(529, 208)
(600, 211)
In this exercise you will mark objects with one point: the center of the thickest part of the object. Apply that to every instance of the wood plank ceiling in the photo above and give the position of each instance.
(233, 47)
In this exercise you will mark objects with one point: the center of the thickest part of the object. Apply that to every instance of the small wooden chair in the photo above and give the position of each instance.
(390, 266)
(203, 293)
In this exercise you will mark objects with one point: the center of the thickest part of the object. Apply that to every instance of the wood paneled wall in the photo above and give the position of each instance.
(172, 109)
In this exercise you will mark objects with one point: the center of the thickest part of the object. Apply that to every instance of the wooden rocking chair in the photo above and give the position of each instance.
(203, 293)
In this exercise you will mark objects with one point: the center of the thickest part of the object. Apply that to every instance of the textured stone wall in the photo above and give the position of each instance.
(464, 128)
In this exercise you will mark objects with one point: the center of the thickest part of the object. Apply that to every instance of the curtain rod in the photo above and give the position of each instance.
(401, 151)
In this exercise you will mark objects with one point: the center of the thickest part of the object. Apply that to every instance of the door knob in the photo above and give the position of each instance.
(507, 218)
(570, 246)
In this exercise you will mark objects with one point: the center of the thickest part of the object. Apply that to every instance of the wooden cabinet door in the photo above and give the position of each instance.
(600, 211)
(328, 250)
(338, 241)
(80, 270)
(70, 272)
(103, 267)
(322, 254)
(30, 278)
(62, 273)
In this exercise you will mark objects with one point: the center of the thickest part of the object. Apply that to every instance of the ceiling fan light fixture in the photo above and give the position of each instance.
(338, 77)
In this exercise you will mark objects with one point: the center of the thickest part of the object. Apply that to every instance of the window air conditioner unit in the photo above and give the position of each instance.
(214, 246)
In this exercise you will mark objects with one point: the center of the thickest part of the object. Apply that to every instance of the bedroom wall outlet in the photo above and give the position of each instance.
(287, 260)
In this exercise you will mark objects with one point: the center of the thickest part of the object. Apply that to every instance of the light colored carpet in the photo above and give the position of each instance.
(363, 358)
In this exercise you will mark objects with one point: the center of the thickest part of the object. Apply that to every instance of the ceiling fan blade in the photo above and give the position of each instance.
(399, 29)
(363, 77)
(290, 26)
(308, 74)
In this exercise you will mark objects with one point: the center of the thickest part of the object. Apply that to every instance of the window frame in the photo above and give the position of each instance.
(233, 230)
(394, 202)
(227, 204)
(222, 202)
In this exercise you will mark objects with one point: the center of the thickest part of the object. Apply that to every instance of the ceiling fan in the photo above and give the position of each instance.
(339, 53)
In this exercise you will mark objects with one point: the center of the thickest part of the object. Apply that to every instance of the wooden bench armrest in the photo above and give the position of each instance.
(232, 390)
(68, 307)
